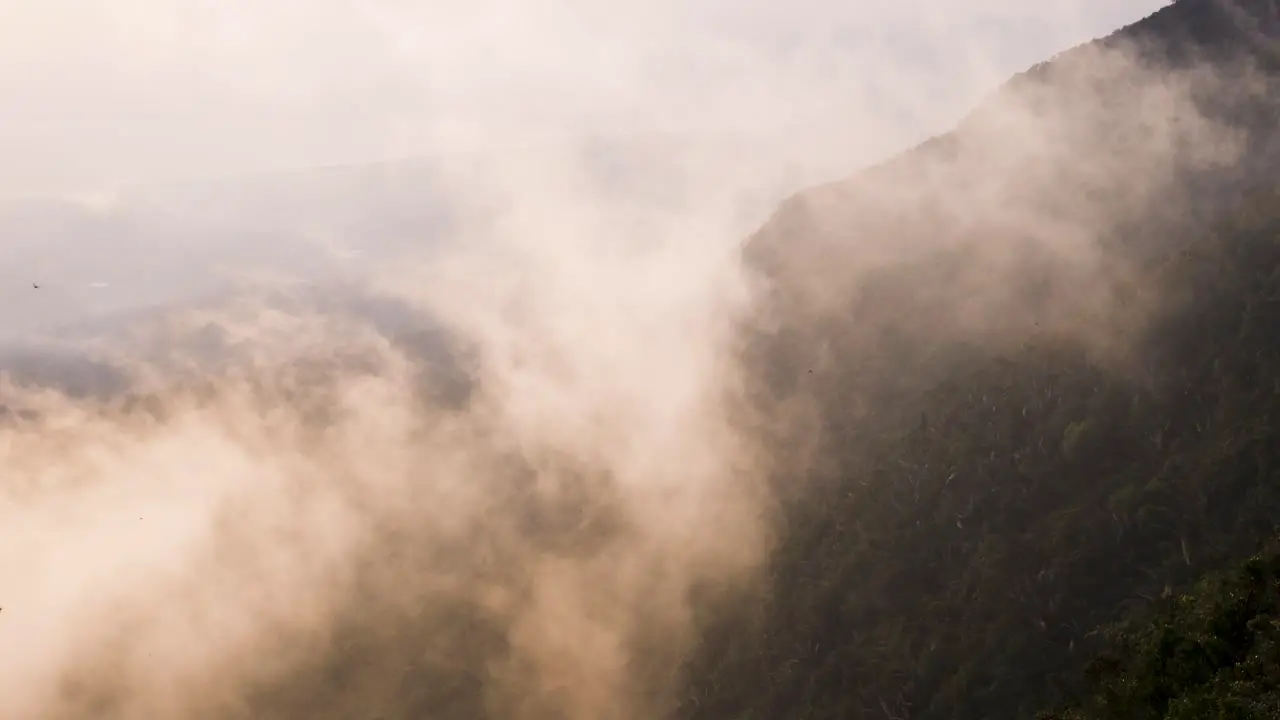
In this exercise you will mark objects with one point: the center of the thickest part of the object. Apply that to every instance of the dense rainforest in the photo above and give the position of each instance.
(1011, 449)
(1209, 653)
(967, 567)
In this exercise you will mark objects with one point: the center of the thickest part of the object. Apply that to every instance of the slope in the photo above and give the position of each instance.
(1019, 381)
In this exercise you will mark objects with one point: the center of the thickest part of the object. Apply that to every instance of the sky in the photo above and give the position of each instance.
(97, 93)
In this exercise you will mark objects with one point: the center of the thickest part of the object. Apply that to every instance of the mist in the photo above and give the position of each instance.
(480, 435)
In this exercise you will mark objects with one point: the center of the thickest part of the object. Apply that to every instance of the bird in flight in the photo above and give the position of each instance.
(35, 286)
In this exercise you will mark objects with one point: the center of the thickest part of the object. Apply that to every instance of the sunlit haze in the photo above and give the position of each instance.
(97, 93)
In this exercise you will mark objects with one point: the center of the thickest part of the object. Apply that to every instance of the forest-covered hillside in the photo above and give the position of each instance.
(961, 567)
(1030, 392)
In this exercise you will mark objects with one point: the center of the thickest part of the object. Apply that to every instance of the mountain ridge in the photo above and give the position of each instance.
(1034, 363)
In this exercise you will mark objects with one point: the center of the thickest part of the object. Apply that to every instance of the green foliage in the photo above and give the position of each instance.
(1211, 653)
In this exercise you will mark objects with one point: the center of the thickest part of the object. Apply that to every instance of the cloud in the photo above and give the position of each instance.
(202, 544)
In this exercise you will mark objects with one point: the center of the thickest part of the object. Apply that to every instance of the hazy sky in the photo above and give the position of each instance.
(96, 92)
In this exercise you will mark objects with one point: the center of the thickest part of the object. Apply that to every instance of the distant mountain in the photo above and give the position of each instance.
(155, 245)
(92, 359)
